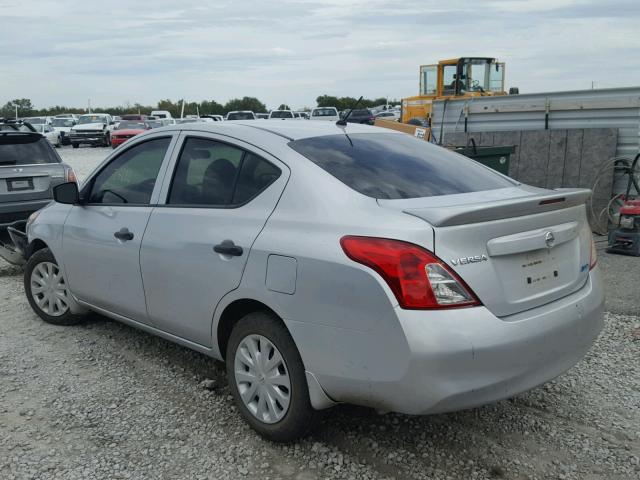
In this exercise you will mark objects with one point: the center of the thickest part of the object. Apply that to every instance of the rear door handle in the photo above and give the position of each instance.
(123, 234)
(227, 247)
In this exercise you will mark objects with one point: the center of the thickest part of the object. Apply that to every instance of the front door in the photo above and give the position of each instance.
(196, 245)
(102, 236)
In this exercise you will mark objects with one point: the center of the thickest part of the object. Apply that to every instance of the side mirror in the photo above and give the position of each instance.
(66, 193)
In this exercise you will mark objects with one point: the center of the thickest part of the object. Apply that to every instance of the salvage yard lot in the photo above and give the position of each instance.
(103, 400)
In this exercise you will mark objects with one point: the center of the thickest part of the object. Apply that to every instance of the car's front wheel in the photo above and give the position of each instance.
(47, 290)
(267, 378)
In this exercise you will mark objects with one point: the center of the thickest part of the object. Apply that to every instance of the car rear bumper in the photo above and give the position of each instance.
(12, 211)
(457, 359)
(14, 242)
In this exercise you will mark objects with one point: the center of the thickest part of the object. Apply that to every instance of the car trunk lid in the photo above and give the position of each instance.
(517, 248)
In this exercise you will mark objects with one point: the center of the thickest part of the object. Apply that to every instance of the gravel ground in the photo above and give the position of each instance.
(103, 400)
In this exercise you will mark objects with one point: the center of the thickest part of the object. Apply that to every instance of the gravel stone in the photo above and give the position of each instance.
(103, 401)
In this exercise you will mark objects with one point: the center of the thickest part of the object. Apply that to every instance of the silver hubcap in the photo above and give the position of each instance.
(49, 290)
(262, 379)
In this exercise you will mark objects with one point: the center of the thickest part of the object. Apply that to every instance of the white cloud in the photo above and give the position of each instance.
(65, 51)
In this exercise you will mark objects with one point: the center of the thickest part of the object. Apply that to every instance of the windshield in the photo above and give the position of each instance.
(394, 166)
(85, 119)
(480, 76)
(127, 124)
(325, 112)
(36, 120)
(154, 123)
(281, 114)
(25, 150)
(240, 116)
(62, 122)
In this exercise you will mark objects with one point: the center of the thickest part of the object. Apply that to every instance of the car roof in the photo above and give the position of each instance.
(287, 130)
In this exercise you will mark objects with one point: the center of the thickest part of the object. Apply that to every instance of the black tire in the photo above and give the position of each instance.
(75, 145)
(38, 257)
(300, 416)
(107, 140)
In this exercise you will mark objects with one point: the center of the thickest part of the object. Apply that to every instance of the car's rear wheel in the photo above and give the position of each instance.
(75, 145)
(47, 290)
(267, 378)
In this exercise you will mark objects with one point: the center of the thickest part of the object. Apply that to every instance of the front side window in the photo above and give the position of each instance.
(396, 166)
(216, 174)
(130, 177)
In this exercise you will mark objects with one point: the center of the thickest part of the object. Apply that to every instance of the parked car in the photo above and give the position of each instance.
(282, 114)
(262, 116)
(241, 115)
(161, 114)
(388, 115)
(29, 168)
(48, 132)
(325, 113)
(72, 116)
(93, 129)
(38, 120)
(215, 118)
(353, 264)
(361, 115)
(127, 129)
(63, 125)
(301, 115)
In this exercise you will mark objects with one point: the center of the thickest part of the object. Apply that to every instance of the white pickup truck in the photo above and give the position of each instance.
(92, 129)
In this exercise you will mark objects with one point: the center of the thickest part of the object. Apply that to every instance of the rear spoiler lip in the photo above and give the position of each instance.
(446, 216)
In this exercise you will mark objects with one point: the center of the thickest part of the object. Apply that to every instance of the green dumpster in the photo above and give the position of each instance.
(496, 157)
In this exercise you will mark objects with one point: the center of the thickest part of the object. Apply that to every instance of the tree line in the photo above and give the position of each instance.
(26, 108)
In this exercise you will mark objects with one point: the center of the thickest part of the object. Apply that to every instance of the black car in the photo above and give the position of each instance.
(360, 115)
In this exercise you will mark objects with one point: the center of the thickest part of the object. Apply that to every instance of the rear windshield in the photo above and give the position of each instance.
(325, 112)
(241, 116)
(282, 114)
(394, 166)
(361, 113)
(25, 150)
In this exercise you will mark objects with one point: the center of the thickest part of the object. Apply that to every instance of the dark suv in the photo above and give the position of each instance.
(29, 169)
(360, 115)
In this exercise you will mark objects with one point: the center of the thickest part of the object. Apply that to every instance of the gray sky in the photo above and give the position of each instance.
(291, 51)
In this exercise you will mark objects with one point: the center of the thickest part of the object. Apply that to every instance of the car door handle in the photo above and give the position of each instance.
(227, 247)
(123, 234)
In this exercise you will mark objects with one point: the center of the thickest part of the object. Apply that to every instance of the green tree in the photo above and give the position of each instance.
(245, 103)
(25, 108)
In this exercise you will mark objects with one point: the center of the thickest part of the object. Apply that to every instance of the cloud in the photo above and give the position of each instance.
(66, 51)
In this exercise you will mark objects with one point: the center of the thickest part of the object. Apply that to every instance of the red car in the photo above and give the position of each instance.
(127, 129)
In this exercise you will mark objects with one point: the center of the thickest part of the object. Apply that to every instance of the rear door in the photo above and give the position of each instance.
(102, 237)
(196, 245)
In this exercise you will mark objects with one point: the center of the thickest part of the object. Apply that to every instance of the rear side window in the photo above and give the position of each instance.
(216, 174)
(394, 166)
(20, 149)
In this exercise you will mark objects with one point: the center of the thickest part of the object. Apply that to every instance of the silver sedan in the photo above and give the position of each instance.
(325, 264)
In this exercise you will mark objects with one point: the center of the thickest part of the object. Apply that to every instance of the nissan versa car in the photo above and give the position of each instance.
(325, 264)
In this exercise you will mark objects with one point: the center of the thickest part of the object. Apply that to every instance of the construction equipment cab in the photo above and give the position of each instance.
(455, 78)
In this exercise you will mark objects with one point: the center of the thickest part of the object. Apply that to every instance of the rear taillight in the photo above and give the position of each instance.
(418, 278)
(69, 174)
(593, 259)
